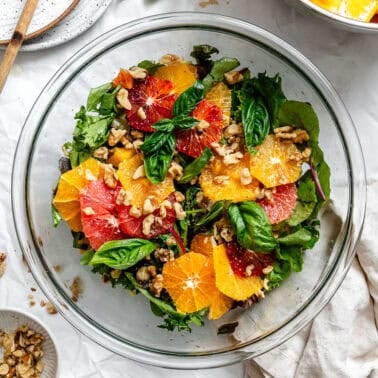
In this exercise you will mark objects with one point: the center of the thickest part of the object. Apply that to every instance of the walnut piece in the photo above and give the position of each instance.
(3, 256)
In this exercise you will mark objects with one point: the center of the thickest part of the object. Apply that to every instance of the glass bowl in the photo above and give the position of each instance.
(124, 323)
(336, 20)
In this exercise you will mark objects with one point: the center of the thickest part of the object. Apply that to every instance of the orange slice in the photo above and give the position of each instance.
(182, 75)
(204, 244)
(231, 188)
(119, 155)
(230, 284)
(66, 200)
(124, 79)
(276, 162)
(362, 10)
(220, 95)
(141, 188)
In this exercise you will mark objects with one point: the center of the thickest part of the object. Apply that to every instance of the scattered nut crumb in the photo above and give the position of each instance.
(57, 268)
(51, 309)
(3, 256)
(75, 288)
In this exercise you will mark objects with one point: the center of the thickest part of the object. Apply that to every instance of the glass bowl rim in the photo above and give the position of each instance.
(69, 70)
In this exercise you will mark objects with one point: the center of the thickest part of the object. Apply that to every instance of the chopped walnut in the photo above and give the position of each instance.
(233, 77)
(124, 197)
(135, 212)
(268, 269)
(283, 129)
(199, 197)
(227, 234)
(169, 59)
(232, 130)
(137, 143)
(75, 288)
(137, 134)
(249, 270)
(259, 193)
(126, 143)
(233, 158)
(164, 254)
(222, 179)
(139, 172)
(138, 73)
(142, 274)
(179, 196)
(202, 125)
(306, 153)
(170, 241)
(3, 256)
(245, 176)
(88, 211)
(148, 221)
(110, 176)
(179, 211)
(156, 286)
(175, 170)
(148, 206)
(101, 153)
(115, 136)
(123, 98)
(141, 114)
(294, 135)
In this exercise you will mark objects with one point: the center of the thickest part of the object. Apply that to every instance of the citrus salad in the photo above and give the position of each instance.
(193, 183)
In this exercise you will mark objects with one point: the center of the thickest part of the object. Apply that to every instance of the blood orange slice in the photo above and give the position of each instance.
(97, 206)
(220, 95)
(155, 97)
(282, 203)
(192, 142)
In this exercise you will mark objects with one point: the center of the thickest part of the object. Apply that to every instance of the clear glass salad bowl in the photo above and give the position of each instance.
(124, 323)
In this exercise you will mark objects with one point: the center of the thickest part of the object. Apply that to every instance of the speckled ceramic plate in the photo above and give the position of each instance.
(47, 15)
(79, 19)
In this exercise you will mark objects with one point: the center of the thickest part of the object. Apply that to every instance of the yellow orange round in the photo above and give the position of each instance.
(220, 95)
(230, 189)
(202, 243)
(66, 199)
(141, 188)
(119, 154)
(230, 284)
(276, 162)
(182, 75)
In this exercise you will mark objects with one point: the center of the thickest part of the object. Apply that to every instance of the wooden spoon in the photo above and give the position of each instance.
(16, 40)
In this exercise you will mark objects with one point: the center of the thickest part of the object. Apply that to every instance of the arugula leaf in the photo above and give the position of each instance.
(219, 68)
(189, 99)
(55, 215)
(256, 125)
(252, 227)
(95, 95)
(173, 319)
(215, 210)
(202, 53)
(195, 167)
(86, 258)
(123, 254)
(150, 66)
(270, 90)
(301, 115)
(158, 158)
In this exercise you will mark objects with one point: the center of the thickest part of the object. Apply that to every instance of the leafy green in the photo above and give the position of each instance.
(86, 258)
(213, 213)
(251, 226)
(202, 53)
(256, 125)
(301, 212)
(55, 215)
(95, 96)
(195, 167)
(172, 318)
(79, 240)
(189, 99)
(150, 66)
(306, 189)
(219, 68)
(303, 237)
(123, 254)
(184, 122)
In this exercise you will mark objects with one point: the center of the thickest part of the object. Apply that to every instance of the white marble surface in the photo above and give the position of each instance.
(342, 341)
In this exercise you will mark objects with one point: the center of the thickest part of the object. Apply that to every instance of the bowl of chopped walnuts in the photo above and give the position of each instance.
(27, 348)
(198, 182)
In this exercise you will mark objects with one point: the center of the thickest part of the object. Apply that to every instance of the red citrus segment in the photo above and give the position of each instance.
(230, 284)
(220, 95)
(97, 206)
(192, 142)
(133, 226)
(282, 203)
(155, 97)
(241, 258)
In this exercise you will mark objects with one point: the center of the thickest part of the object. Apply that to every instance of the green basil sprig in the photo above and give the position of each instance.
(256, 124)
(252, 227)
(213, 213)
(150, 66)
(189, 99)
(194, 168)
(122, 254)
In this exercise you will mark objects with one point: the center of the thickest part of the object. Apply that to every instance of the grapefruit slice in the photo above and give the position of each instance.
(282, 203)
(66, 199)
(192, 142)
(276, 162)
(155, 97)
(98, 217)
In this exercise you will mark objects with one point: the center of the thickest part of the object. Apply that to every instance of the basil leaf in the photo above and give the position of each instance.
(219, 68)
(215, 210)
(270, 90)
(150, 66)
(184, 122)
(55, 215)
(189, 99)
(123, 254)
(195, 167)
(301, 115)
(252, 227)
(166, 125)
(301, 212)
(202, 53)
(304, 237)
(86, 258)
(154, 142)
(95, 95)
(157, 162)
(256, 125)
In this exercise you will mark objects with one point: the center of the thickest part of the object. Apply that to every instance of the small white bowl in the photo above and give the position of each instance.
(11, 318)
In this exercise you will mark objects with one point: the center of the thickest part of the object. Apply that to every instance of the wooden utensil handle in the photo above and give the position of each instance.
(16, 41)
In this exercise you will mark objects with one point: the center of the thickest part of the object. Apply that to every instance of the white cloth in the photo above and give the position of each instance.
(342, 341)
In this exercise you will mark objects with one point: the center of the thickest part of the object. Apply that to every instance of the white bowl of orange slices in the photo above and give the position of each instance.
(353, 15)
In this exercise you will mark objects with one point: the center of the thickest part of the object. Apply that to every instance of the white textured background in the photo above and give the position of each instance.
(343, 340)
